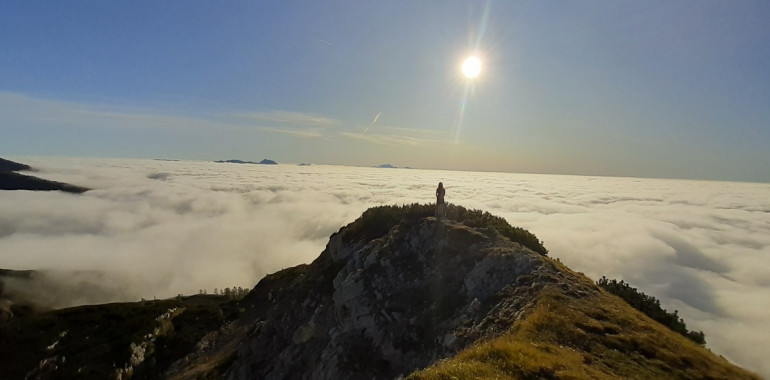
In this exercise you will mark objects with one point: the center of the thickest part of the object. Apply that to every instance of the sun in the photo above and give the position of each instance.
(471, 67)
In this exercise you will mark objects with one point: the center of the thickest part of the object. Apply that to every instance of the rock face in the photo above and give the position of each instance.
(383, 306)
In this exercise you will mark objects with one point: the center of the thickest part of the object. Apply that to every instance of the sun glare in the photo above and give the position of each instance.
(471, 67)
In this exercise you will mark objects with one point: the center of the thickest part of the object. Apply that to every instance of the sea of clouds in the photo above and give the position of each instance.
(159, 228)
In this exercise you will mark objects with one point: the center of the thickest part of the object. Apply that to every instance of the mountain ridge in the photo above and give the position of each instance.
(10, 180)
(396, 293)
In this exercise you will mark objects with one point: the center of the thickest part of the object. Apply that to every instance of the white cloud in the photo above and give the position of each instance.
(162, 228)
(292, 118)
(34, 112)
(301, 133)
(18, 109)
(383, 139)
(391, 135)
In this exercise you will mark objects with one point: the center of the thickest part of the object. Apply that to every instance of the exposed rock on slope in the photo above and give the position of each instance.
(394, 292)
(109, 341)
(388, 306)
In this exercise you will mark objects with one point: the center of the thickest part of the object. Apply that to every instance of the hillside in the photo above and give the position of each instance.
(107, 341)
(10, 166)
(396, 291)
(10, 180)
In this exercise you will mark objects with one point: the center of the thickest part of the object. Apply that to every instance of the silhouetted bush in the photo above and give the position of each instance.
(650, 306)
(376, 222)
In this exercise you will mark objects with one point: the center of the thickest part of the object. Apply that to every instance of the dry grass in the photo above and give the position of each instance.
(597, 336)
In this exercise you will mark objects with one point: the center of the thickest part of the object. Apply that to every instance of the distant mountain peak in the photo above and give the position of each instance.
(263, 162)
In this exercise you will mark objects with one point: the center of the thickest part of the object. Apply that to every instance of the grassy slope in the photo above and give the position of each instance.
(598, 336)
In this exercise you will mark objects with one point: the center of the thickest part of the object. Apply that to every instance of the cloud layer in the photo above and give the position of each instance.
(160, 228)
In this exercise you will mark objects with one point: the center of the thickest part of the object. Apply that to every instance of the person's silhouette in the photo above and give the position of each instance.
(440, 205)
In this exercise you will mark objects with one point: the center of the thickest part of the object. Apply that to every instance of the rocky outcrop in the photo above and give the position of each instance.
(383, 306)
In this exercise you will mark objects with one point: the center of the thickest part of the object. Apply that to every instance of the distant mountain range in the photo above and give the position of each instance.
(263, 162)
(10, 180)
(389, 166)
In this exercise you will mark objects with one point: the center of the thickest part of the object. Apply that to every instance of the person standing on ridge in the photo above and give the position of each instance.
(440, 206)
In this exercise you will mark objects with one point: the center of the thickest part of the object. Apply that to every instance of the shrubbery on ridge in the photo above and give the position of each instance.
(377, 221)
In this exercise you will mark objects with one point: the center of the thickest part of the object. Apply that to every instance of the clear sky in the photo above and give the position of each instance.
(624, 88)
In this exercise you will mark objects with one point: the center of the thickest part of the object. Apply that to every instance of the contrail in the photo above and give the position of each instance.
(324, 41)
(372, 123)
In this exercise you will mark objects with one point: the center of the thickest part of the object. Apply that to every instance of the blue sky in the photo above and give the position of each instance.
(621, 88)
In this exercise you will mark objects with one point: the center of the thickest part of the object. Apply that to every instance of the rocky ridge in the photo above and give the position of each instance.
(382, 306)
(397, 293)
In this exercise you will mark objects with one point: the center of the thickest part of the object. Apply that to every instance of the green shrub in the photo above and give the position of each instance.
(650, 306)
